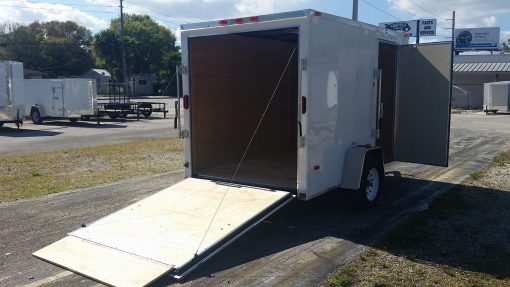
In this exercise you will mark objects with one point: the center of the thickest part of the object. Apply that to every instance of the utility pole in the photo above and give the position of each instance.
(355, 10)
(418, 31)
(122, 48)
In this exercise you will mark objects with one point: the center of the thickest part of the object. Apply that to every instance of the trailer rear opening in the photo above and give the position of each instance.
(232, 78)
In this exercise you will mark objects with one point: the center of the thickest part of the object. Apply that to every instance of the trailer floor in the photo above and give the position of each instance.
(298, 246)
(278, 170)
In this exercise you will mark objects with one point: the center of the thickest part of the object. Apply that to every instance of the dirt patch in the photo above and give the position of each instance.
(23, 176)
(462, 239)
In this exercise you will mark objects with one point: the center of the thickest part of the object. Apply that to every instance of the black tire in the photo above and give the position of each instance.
(73, 120)
(85, 118)
(35, 115)
(371, 182)
(1, 125)
(123, 115)
(147, 114)
(113, 115)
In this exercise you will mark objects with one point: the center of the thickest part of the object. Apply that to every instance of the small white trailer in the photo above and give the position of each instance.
(12, 102)
(276, 107)
(496, 97)
(66, 98)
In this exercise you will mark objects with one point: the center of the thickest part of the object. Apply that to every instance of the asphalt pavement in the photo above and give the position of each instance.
(298, 246)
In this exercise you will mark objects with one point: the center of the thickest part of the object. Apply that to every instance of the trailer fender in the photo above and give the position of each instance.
(353, 164)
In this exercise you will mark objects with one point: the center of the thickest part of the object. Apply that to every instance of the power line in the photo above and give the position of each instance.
(426, 10)
(401, 8)
(65, 4)
(163, 15)
(381, 10)
(40, 44)
(53, 9)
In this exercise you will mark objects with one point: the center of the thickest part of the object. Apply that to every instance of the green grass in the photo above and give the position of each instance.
(35, 174)
(462, 239)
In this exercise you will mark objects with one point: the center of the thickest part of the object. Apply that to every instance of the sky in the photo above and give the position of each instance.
(96, 14)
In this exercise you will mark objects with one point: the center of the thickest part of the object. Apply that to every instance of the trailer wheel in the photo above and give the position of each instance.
(73, 120)
(371, 182)
(35, 115)
(113, 115)
(1, 125)
(147, 112)
(123, 115)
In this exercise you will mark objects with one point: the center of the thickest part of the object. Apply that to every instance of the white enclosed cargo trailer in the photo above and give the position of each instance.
(496, 97)
(275, 107)
(12, 101)
(60, 99)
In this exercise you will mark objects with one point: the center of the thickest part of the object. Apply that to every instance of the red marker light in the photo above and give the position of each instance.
(185, 102)
(223, 22)
(317, 13)
(238, 20)
(253, 19)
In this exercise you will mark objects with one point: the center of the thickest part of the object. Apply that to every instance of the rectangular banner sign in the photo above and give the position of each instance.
(427, 27)
(477, 38)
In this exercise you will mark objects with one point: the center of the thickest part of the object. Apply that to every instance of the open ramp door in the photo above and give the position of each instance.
(163, 233)
(423, 103)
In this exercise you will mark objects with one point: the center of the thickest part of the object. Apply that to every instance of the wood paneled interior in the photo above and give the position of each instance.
(232, 79)
(388, 65)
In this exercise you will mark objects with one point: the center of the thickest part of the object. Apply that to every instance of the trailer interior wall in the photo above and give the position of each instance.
(232, 78)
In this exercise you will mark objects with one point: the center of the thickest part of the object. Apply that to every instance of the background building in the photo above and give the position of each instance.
(470, 72)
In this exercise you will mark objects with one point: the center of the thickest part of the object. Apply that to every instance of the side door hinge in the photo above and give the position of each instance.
(183, 69)
(303, 64)
(185, 134)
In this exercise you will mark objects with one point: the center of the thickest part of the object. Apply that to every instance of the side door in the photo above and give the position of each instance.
(57, 93)
(422, 126)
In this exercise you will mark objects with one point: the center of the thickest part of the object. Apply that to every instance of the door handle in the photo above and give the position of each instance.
(56, 98)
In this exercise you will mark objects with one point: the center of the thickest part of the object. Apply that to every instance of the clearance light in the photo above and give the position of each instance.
(317, 13)
(185, 102)
(223, 22)
(253, 19)
(303, 105)
(238, 20)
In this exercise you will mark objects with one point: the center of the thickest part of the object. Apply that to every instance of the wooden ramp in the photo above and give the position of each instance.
(163, 233)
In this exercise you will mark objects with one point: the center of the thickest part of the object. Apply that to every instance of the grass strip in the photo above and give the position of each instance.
(35, 174)
(462, 239)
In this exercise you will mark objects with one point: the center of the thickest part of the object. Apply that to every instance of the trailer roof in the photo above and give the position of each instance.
(278, 16)
(241, 20)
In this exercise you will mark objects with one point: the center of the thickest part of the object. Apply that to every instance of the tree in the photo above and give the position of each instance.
(505, 47)
(56, 48)
(150, 47)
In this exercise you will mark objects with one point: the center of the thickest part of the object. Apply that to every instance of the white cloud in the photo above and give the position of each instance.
(469, 13)
(26, 12)
(489, 21)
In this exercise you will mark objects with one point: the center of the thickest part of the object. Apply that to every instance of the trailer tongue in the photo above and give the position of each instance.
(165, 232)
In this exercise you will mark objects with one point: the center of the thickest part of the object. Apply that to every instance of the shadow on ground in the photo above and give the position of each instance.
(336, 215)
(85, 124)
(24, 133)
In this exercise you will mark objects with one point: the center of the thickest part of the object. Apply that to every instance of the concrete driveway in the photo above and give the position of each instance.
(298, 246)
(54, 135)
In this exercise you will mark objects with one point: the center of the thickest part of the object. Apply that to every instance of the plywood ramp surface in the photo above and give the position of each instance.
(105, 265)
(160, 232)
